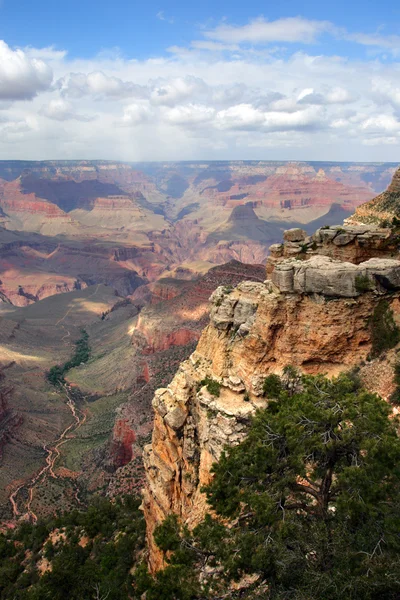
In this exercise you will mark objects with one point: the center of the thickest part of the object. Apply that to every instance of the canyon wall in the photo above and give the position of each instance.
(312, 314)
(382, 208)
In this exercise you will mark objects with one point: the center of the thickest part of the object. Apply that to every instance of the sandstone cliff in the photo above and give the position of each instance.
(312, 314)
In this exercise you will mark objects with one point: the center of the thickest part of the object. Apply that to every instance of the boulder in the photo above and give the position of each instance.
(324, 275)
(176, 418)
(385, 272)
(294, 235)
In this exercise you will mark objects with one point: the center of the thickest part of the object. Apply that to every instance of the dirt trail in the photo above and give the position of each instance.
(53, 453)
(72, 307)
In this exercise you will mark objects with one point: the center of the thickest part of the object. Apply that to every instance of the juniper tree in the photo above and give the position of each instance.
(308, 504)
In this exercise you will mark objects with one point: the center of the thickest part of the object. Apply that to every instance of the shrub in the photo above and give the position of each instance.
(81, 355)
(212, 385)
(384, 332)
(308, 503)
(395, 396)
(272, 386)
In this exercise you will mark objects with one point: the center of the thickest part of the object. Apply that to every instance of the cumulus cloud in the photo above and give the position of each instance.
(61, 110)
(21, 76)
(190, 114)
(176, 90)
(136, 113)
(221, 97)
(97, 84)
(335, 95)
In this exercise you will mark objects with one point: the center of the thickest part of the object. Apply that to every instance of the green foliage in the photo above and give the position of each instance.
(81, 355)
(363, 283)
(272, 386)
(384, 332)
(213, 386)
(310, 502)
(99, 569)
(395, 397)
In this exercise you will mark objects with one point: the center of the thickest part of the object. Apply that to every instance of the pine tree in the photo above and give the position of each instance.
(308, 504)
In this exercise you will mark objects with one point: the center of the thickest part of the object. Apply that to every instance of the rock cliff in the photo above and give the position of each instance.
(382, 208)
(313, 314)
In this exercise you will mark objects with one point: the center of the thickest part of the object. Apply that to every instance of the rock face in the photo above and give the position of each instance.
(382, 208)
(348, 243)
(323, 275)
(310, 314)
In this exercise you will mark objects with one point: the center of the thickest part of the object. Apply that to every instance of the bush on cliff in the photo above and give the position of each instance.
(306, 507)
(385, 334)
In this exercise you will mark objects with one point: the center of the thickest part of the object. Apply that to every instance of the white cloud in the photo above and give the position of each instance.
(208, 101)
(161, 17)
(381, 123)
(190, 114)
(97, 84)
(241, 116)
(61, 110)
(21, 77)
(289, 29)
(174, 91)
(335, 95)
(376, 40)
(213, 46)
(136, 114)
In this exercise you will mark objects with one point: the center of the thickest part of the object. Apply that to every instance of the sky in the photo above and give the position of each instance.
(211, 80)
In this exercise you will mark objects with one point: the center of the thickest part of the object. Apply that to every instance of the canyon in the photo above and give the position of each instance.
(132, 253)
(314, 311)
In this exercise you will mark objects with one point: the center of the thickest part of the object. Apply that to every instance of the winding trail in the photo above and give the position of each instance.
(72, 307)
(53, 452)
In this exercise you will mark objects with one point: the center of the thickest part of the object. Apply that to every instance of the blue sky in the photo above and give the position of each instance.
(85, 27)
(208, 80)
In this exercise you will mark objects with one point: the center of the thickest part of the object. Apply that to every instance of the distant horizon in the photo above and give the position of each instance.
(197, 161)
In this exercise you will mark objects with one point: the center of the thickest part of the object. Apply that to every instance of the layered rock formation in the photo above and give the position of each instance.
(313, 314)
(349, 243)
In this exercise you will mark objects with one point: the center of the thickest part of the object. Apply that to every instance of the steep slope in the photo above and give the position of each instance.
(382, 208)
(111, 394)
(312, 314)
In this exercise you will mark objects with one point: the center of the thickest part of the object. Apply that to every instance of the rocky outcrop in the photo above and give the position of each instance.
(349, 243)
(310, 314)
(323, 275)
(382, 208)
(123, 438)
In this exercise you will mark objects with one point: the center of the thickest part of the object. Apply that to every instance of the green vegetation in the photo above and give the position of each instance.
(272, 386)
(395, 397)
(91, 554)
(385, 333)
(212, 385)
(81, 355)
(307, 507)
(363, 283)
